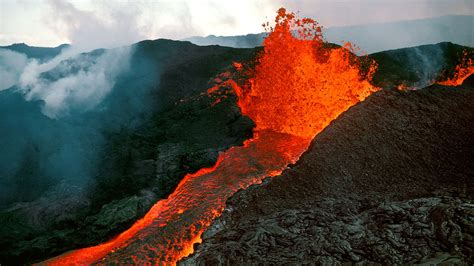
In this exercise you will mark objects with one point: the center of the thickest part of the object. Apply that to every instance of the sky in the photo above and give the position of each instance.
(111, 23)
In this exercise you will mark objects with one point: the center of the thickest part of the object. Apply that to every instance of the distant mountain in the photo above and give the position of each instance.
(40, 53)
(238, 41)
(375, 37)
(379, 37)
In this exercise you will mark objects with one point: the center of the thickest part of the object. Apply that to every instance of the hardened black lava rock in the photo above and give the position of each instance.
(157, 124)
(390, 181)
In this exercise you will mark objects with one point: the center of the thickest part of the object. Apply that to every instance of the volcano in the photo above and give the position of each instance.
(389, 181)
(237, 116)
(172, 226)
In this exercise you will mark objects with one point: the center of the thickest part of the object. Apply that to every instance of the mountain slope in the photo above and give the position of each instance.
(95, 171)
(418, 66)
(388, 182)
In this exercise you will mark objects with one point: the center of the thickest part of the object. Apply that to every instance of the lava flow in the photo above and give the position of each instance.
(298, 86)
(462, 71)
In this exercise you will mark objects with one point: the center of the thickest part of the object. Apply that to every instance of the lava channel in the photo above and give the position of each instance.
(298, 86)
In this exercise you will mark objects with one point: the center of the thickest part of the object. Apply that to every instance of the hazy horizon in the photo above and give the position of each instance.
(93, 24)
(213, 35)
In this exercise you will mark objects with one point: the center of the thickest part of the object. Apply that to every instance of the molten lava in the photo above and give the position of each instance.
(462, 71)
(298, 86)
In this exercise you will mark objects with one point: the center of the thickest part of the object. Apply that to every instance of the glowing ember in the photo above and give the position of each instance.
(297, 88)
(463, 70)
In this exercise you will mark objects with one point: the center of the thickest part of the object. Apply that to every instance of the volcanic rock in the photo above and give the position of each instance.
(417, 66)
(180, 131)
(390, 181)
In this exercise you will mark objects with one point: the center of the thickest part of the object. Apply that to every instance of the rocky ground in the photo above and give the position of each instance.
(180, 131)
(391, 181)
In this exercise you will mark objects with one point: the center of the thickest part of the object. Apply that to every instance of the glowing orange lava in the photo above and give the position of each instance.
(299, 85)
(463, 70)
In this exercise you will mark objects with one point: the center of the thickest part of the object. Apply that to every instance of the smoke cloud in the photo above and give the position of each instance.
(73, 81)
(52, 118)
(126, 22)
(118, 22)
(12, 65)
(75, 84)
(428, 63)
(105, 28)
(52, 126)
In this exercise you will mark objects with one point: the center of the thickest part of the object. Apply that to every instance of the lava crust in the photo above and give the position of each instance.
(388, 181)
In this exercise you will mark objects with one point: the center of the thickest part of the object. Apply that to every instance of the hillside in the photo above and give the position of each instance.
(90, 173)
(389, 181)
(95, 169)
(419, 66)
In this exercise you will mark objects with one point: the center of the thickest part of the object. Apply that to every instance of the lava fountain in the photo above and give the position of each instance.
(298, 85)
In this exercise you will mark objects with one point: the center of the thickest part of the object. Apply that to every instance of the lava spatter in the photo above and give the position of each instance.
(301, 84)
(298, 86)
(463, 70)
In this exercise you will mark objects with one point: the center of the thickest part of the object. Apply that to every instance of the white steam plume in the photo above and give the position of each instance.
(78, 84)
(104, 28)
(80, 81)
(11, 67)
